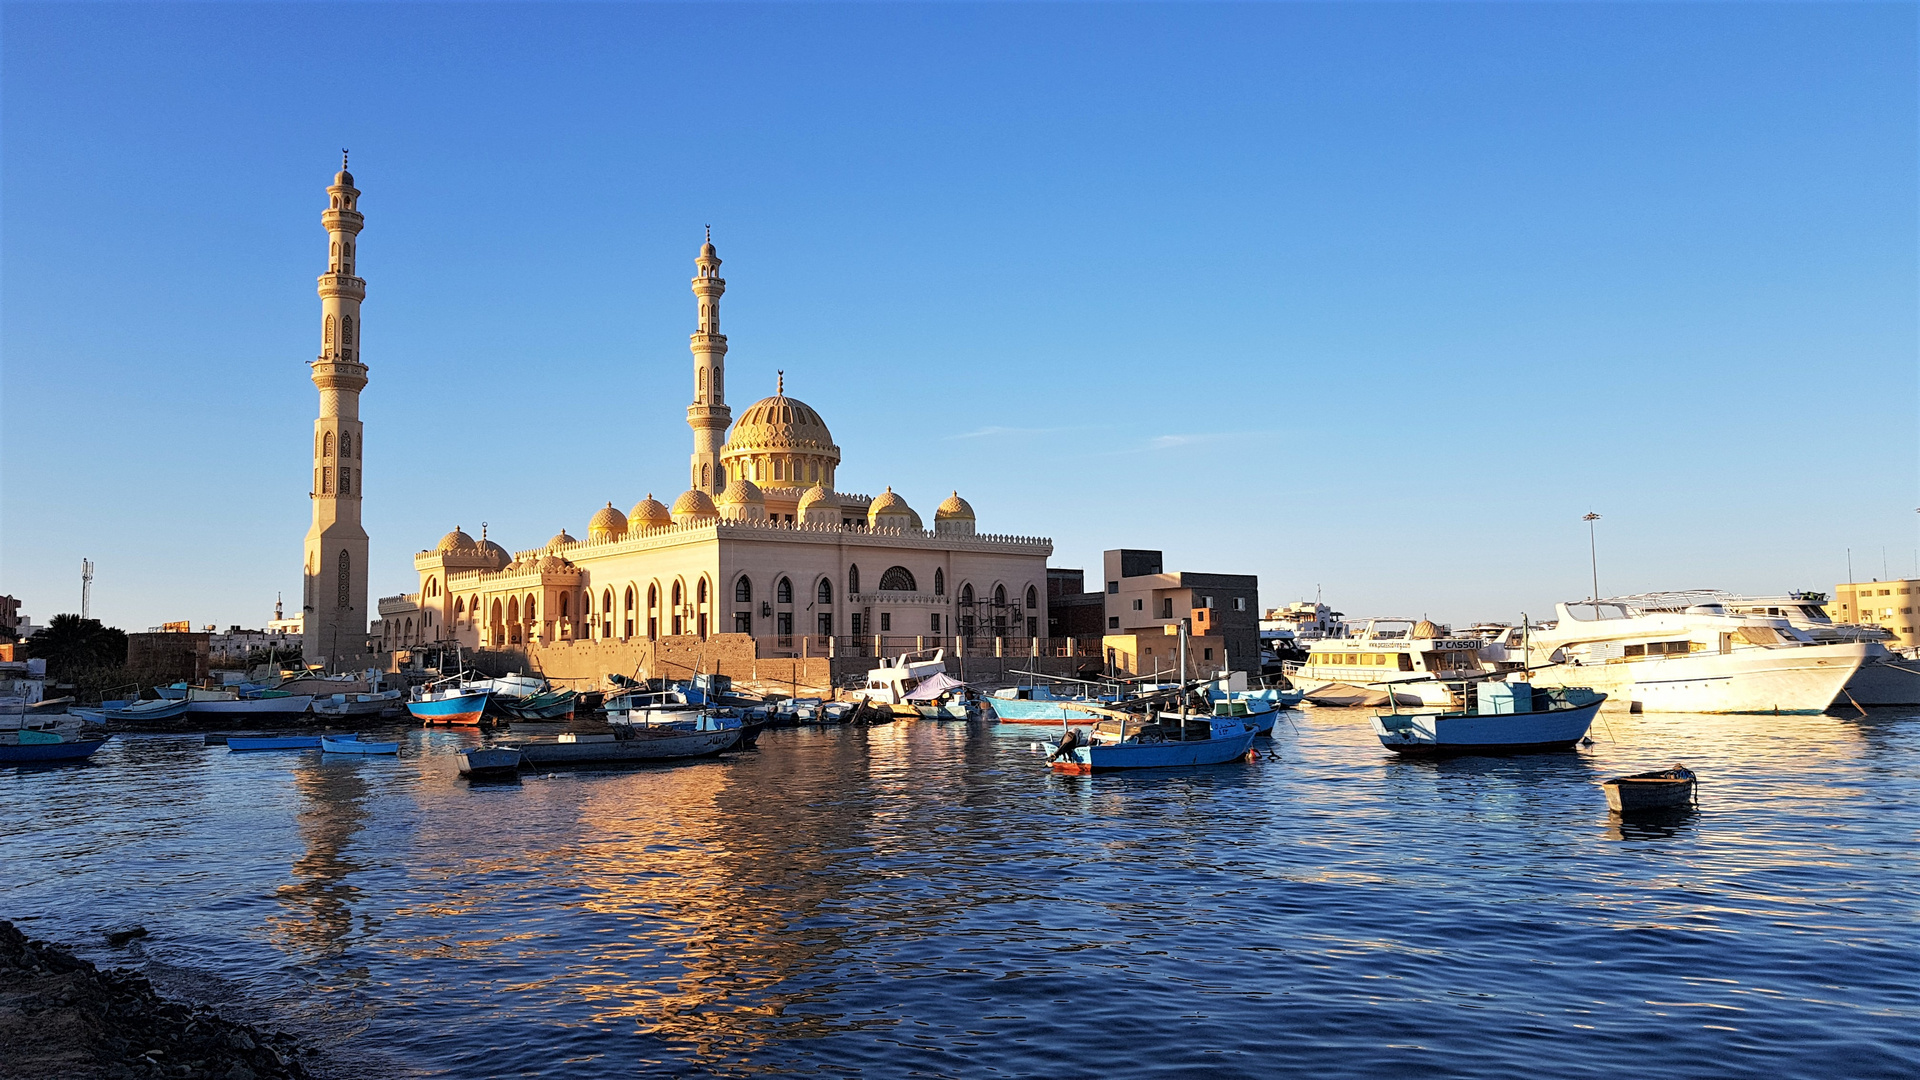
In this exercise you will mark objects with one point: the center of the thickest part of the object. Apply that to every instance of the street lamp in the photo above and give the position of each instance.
(1593, 555)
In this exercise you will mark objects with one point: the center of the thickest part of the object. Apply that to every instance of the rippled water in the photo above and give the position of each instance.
(922, 900)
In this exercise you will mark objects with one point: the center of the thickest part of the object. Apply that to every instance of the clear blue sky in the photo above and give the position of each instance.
(1371, 297)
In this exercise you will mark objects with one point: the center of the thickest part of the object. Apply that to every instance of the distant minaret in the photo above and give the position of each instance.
(336, 567)
(709, 416)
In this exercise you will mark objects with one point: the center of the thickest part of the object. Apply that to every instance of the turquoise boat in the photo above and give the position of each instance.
(273, 742)
(350, 744)
(45, 748)
(1168, 742)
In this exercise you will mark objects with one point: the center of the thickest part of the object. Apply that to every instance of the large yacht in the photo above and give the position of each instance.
(1688, 652)
(1887, 678)
(1415, 660)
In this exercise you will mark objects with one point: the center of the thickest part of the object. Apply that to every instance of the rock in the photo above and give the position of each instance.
(125, 932)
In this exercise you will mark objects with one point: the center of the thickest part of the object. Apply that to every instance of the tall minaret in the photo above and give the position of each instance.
(336, 570)
(708, 416)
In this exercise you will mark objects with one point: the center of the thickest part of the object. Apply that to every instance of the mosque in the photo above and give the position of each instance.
(762, 544)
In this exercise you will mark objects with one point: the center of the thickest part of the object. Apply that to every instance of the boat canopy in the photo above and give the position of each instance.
(933, 686)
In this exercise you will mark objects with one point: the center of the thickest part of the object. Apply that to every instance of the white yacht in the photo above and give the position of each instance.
(1419, 662)
(1686, 652)
(1887, 678)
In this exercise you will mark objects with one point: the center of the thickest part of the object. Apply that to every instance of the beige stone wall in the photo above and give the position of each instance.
(1144, 654)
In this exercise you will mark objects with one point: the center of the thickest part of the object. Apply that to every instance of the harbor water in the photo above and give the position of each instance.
(924, 900)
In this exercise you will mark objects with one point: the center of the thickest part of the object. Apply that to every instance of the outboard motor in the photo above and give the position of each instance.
(1068, 743)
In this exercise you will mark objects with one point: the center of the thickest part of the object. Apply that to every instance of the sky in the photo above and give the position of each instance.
(1374, 301)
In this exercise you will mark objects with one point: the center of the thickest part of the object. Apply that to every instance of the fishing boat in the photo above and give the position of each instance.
(29, 747)
(447, 702)
(148, 711)
(351, 744)
(1661, 790)
(356, 704)
(201, 701)
(274, 742)
(1041, 704)
(490, 761)
(1122, 740)
(1510, 717)
(545, 705)
(631, 745)
(889, 684)
(1255, 712)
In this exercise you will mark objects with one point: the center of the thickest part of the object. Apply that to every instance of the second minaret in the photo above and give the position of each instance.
(709, 416)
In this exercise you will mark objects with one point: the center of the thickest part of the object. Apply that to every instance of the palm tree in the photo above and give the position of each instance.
(69, 644)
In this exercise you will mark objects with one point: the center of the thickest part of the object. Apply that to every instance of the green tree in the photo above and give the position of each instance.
(70, 644)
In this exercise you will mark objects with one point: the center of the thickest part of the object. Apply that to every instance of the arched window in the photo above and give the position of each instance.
(653, 597)
(346, 444)
(326, 480)
(966, 593)
(326, 445)
(566, 605)
(743, 591)
(329, 332)
(825, 592)
(700, 592)
(898, 579)
(346, 330)
(459, 605)
(346, 579)
(433, 588)
(336, 249)
(606, 601)
(629, 599)
(703, 383)
(783, 592)
(703, 475)
(939, 582)
(530, 609)
(853, 579)
(679, 594)
(1033, 598)
(999, 596)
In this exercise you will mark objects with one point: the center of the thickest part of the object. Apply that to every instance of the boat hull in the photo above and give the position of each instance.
(657, 747)
(1085, 760)
(49, 753)
(493, 761)
(459, 709)
(1889, 681)
(289, 742)
(1801, 680)
(1335, 694)
(355, 746)
(1440, 734)
(291, 705)
(1630, 793)
(1049, 711)
(172, 710)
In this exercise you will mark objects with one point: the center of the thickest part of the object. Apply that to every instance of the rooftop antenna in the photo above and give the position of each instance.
(86, 588)
(1593, 555)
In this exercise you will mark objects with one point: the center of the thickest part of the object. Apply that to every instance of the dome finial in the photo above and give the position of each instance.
(709, 234)
(780, 383)
(343, 159)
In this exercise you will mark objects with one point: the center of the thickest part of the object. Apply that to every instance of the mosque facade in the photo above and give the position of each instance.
(761, 543)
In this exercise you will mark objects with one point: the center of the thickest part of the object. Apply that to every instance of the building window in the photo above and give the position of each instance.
(346, 580)
(329, 336)
(326, 445)
(1139, 604)
(346, 480)
(783, 624)
(703, 624)
(1113, 588)
(1033, 599)
(936, 622)
(886, 621)
(1239, 603)
(898, 579)
(966, 594)
(854, 625)
(825, 629)
(743, 622)
(743, 591)
(679, 595)
(853, 580)
(824, 594)
(700, 592)
(1166, 607)
(326, 480)
(346, 331)
(1113, 622)
(1209, 653)
(999, 596)
(783, 591)
(939, 582)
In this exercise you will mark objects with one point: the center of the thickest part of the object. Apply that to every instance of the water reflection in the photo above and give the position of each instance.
(319, 901)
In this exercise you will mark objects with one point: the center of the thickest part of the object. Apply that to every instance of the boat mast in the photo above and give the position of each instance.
(1183, 680)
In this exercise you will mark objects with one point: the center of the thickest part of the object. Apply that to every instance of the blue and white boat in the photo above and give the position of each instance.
(1040, 705)
(1501, 718)
(140, 711)
(274, 742)
(28, 747)
(447, 702)
(351, 744)
(1169, 741)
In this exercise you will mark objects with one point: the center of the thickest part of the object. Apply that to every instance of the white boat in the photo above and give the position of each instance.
(205, 702)
(1502, 718)
(891, 682)
(356, 704)
(1416, 661)
(1662, 652)
(1887, 678)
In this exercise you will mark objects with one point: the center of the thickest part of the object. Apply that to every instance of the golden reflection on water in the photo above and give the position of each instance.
(318, 902)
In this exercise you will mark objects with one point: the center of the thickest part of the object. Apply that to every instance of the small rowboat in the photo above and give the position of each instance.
(351, 745)
(1650, 790)
(160, 709)
(43, 748)
(490, 761)
(273, 742)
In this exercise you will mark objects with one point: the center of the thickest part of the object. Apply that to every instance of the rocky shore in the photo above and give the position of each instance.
(61, 1018)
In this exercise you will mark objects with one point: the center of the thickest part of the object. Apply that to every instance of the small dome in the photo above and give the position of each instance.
(814, 496)
(607, 524)
(741, 491)
(706, 250)
(456, 540)
(818, 506)
(954, 508)
(560, 539)
(1425, 629)
(649, 513)
(343, 178)
(888, 502)
(501, 556)
(890, 511)
(693, 505)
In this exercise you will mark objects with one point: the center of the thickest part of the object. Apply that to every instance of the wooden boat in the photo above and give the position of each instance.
(547, 705)
(201, 702)
(273, 742)
(356, 704)
(28, 747)
(1660, 790)
(490, 761)
(1505, 718)
(637, 744)
(448, 705)
(146, 711)
(349, 744)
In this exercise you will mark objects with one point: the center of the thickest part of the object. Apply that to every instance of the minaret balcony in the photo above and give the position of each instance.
(335, 374)
(351, 221)
(705, 342)
(346, 285)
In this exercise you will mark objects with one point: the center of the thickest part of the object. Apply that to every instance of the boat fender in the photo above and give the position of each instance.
(1252, 754)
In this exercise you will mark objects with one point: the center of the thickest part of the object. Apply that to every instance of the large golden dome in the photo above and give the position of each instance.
(780, 441)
